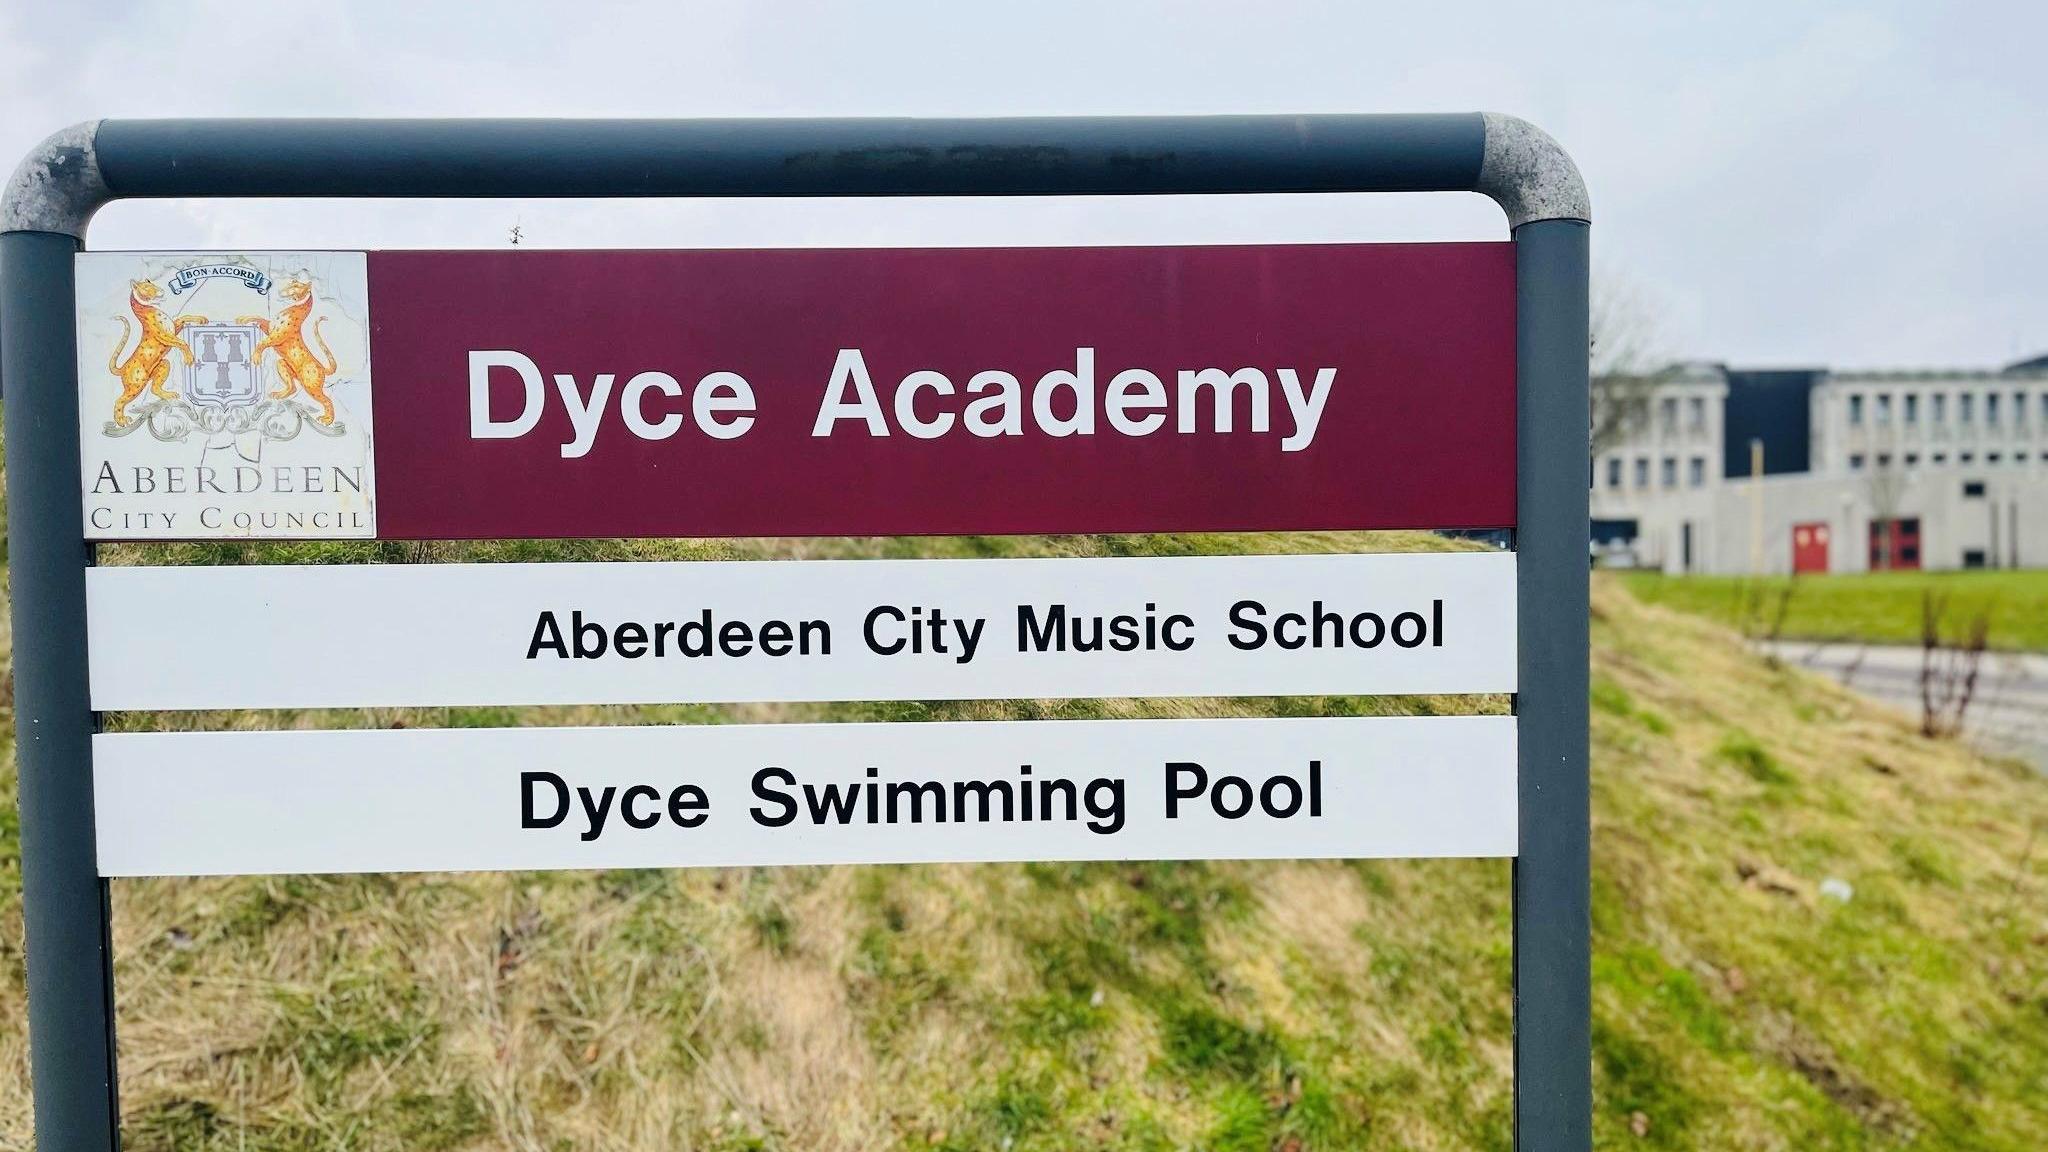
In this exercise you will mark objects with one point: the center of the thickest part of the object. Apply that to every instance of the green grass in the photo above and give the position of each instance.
(1263, 1007)
(1873, 608)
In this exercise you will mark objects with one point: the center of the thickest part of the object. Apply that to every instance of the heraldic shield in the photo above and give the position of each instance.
(222, 373)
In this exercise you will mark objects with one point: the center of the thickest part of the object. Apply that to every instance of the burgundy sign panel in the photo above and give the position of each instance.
(943, 391)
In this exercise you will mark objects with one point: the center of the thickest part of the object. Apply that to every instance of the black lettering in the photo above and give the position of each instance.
(984, 791)
(916, 792)
(630, 641)
(1293, 797)
(1123, 633)
(590, 638)
(766, 792)
(527, 817)
(1379, 630)
(1280, 635)
(1032, 637)
(814, 633)
(626, 806)
(597, 812)
(1335, 622)
(880, 647)
(1175, 793)
(837, 801)
(1108, 817)
(547, 633)
(1223, 809)
(694, 638)
(1246, 614)
(1421, 632)
(735, 638)
(689, 807)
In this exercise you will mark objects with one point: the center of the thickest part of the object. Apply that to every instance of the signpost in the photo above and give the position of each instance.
(229, 395)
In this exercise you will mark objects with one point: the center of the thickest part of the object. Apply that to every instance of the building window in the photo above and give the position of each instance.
(2019, 409)
(1941, 407)
(1614, 471)
(1966, 408)
(1912, 407)
(1669, 472)
(1973, 557)
(2019, 458)
(1696, 414)
(1912, 459)
(1884, 460)
(1966, 457)
(1992, 457)
(1696, 472)
(1973, 489)
(1642, 473)
(1991, 409)
(1667, 415)
(1855, 408)
(1855, 461)
(1884, 408)
(1940, 458)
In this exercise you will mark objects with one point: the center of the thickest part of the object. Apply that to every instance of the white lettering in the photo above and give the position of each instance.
(1120, 402)
(583, 413)
(723, 392)
(1224, 386)
(633, 401)
(850, 369)
(481, 426)
(906, 405)
(1081, 382)
(1007, 404)
(1307, 411)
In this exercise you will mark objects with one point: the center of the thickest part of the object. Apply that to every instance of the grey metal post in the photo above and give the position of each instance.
(59, 185)
(64, 901)
(1553, 966)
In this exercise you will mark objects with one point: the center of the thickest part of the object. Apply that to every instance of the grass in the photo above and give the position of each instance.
(1872, 608)
(1223, 1006)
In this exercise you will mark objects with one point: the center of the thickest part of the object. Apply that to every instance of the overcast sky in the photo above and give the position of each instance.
(1813, 183)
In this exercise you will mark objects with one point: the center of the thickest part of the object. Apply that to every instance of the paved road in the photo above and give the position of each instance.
(2009, 712)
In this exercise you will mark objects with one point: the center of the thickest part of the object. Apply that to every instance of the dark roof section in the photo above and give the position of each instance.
(1768, 405)
(2038, 364)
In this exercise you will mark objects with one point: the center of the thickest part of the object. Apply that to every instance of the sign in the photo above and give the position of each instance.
(225, 396)
(803, 392)
(531, 395)
(465, 799)
(433, 634)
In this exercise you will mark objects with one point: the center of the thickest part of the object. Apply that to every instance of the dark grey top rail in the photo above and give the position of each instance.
(74, 172)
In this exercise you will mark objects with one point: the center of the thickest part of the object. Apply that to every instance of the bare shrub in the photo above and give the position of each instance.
(1948, 672)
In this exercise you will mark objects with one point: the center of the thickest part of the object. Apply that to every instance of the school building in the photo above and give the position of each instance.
(1736, 471)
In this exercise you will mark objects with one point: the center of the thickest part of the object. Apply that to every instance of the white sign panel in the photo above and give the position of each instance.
(225, 395)
(474, 799)
(399, 635)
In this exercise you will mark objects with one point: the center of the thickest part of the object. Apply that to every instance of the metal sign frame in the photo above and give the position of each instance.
(59, 186)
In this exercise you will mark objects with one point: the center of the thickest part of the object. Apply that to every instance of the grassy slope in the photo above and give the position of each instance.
(1878, 607)
(1226, 1006)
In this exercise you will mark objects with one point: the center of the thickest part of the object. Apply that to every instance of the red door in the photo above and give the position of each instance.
(1809, 548)
(1895, 544)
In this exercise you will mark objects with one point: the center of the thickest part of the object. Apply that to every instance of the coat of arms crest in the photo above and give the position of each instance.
(221, 365)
